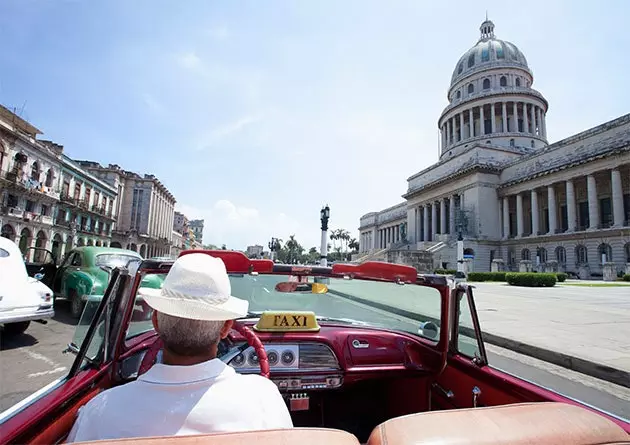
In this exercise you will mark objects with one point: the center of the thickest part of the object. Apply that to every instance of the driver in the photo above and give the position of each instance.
(191, 391)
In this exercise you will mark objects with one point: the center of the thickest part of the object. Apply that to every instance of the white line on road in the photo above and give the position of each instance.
(52, 371)
(38, 356)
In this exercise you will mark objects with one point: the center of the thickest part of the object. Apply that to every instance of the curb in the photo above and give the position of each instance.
(580, 365)
(583, 366)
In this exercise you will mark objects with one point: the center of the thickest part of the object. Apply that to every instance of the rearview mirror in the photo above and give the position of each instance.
(293, 286)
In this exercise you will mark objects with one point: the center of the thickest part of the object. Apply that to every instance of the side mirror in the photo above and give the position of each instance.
(429, 330)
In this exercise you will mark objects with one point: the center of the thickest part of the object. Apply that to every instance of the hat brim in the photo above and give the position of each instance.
(231, 309)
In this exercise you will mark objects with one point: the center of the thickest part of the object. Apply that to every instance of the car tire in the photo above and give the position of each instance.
(16, 328)
(76, 305)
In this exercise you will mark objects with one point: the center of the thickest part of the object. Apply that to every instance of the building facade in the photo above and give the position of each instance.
(29, 185)
(196, 225)
(145, 213)
(255, 251)
(518, 202)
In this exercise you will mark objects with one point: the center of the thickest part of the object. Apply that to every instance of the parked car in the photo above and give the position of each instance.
(85, 271)
(22, 298)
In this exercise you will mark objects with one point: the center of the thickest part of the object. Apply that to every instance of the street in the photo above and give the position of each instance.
(33, 360)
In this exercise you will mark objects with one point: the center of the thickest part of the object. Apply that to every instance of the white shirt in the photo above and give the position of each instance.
(167, 400)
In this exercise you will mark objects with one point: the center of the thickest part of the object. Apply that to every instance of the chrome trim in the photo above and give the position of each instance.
(357, 344)
(476, 392)
(47, 312)
(448, 394)
(29, 400)
(608, 413)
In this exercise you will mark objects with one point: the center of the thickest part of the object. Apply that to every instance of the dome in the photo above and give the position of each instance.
(488, 52)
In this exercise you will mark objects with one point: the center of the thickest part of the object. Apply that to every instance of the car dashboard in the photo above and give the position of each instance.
(295, 366)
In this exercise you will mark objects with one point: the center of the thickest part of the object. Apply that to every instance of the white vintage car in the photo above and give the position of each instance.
(22, 298)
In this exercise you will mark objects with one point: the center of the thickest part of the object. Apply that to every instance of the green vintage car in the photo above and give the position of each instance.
(85, 271)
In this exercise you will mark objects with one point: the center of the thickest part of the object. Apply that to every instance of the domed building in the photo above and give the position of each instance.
(518, 202)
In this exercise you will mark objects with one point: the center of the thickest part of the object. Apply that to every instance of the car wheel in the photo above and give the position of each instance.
(16, 328)
(76, 305)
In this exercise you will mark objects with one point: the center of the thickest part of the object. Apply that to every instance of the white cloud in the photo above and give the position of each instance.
(239, 226)
(189, 60)
(230, 128)
(152, 103)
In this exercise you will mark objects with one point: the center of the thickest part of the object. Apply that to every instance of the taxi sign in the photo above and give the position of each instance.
(280, 321)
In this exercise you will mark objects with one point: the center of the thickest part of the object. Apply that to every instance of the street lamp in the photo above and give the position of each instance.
(324, 216)
(272, 247)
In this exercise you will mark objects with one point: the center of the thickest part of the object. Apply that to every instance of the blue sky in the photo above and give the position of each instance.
(254, 114)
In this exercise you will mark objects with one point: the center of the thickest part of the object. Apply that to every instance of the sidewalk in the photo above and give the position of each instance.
(588, 323)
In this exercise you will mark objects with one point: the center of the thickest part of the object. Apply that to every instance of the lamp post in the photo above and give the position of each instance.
(272, 247)
(324, 216)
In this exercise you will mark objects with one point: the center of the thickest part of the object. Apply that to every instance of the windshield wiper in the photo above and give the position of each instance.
(343, 320)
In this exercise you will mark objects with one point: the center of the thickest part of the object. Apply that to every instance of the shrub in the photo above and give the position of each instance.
(486, 276)
(445, 271)
(531, 279)
(626, 277)
(561, 277)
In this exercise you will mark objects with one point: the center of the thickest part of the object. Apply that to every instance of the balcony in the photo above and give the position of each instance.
(15, 212)
(102, 211)
(20, 183)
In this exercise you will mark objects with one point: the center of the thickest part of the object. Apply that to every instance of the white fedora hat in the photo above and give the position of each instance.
(197, 288)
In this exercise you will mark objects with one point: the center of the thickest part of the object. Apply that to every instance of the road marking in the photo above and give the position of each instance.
(38, 356)
(266, 290)
(52, 371)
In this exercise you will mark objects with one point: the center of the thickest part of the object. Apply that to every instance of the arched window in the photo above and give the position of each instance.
(471, 60)
(471, 88)
(561, 255)
(605, 253)
(525, 255)
(35, 172)
(461, 68)
(503, 81)
(50, 175)
(517, 82)
(581, 254)
(512, 143)
(458, 95)
(486, 84)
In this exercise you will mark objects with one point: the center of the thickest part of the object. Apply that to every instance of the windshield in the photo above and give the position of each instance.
(409, 308)
(114, 260)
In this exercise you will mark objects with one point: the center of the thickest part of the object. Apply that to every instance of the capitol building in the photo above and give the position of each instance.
(518, 202)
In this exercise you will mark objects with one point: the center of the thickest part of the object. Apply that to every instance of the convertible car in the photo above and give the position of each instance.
(369, 353)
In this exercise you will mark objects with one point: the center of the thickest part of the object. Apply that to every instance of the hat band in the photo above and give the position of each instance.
(215, 299)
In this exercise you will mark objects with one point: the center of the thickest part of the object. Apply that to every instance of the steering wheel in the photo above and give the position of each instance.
(252, 340)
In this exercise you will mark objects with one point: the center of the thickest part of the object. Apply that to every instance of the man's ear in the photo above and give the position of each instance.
(154, 320)
(227, 326)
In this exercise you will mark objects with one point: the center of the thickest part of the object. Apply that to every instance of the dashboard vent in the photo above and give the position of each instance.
(317, 356)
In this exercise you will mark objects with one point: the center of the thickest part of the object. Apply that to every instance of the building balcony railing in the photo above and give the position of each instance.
(24, 184)
(16, 212)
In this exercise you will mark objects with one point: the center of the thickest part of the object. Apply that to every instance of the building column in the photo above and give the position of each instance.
(434, 227)
(525, 119)
(461, 126)
(471, 123)
(515, 118)
(451, 216)
(552, 209)
(543, 123)
(535, 216)
(482, 126)
(443, 131)
(425, 226)
(539, 120)
(504, 117)
(617, 198)
(493, 119)
(519, 215)
(506, 217)
(449, 137)
(593, 204)
(571, 211)
(443, 217)
(532, 112)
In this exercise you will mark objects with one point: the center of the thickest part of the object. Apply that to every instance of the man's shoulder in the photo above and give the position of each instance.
(111, 396)
(252, 380)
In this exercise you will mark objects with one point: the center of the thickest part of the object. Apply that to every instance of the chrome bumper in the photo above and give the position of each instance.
(40, 314)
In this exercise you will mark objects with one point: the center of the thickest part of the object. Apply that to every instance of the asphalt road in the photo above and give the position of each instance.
(31, 361)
